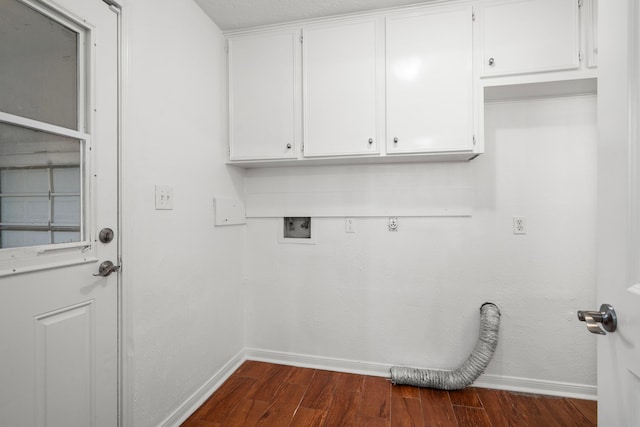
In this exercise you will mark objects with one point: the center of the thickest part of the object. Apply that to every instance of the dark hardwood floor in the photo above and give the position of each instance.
(264, 394)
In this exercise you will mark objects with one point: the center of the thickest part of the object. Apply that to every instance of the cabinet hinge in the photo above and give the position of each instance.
(226, 46)
(474, 140)
(579, 56)
(473, 16)
(579, 3)
(301, 37)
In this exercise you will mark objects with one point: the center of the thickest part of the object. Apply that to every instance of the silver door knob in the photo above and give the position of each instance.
(288, 146)
(491, 62)
(106, 268)
(370, 140)
(606, 316)
(395, 140)
(106, 235)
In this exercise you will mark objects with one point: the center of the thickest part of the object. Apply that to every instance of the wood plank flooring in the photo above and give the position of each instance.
(265, 394)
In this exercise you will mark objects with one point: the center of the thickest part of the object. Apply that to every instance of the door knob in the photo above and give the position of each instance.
(106, 268)
(606, 316)
(106, 235)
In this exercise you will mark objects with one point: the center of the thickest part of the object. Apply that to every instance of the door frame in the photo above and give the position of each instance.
(125, 310)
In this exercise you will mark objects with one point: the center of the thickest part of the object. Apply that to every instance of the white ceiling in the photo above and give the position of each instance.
(239, 14)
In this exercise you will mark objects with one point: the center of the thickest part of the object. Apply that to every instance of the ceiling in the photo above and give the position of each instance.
(232, 15)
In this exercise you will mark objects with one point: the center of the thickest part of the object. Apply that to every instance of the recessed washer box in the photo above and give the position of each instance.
(296, 229)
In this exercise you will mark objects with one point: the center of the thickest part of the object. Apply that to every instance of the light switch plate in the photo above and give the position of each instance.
(164, 197)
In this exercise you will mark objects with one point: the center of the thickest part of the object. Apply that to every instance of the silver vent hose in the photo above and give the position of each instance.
(469, 371)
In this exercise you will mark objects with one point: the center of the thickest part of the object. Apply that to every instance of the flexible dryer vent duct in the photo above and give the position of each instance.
(469, 371)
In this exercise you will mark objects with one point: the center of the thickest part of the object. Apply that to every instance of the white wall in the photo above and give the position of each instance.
(181, 274)
(412, 297)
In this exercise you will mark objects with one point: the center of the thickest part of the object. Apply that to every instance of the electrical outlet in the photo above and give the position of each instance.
(519, 225)
(393, 224)
(349, 225)
(164, 197)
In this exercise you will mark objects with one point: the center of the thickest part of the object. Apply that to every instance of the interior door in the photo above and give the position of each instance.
(58, 189)
(619, 211)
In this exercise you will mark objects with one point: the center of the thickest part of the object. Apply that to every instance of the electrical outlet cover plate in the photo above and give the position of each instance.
(349, 225)
(164, 197)
(519, 225)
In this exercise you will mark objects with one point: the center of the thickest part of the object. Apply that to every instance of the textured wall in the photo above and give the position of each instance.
(412, 297)
(182, 274)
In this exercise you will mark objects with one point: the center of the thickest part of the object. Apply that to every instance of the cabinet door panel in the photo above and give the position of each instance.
(339, 89)
(526, 36)
(430, 81)
(264, 99)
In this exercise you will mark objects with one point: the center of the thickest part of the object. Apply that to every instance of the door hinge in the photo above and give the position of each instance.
(474, 140)
(579, 56)
(473, 16)
(301, 37)
(579, 3)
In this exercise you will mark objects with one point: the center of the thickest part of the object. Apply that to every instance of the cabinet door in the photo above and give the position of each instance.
(339, 89)
(430, 81)
(264, 96)
(527, 36)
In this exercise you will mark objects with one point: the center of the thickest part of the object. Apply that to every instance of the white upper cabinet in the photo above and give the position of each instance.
(264, 95)
(529, 36)
(340, 89)
(429, 74)
(393, 86)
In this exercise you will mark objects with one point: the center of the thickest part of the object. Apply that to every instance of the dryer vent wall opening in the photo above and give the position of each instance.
(469, 371)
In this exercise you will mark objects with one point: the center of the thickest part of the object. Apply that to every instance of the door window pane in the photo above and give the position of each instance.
(40, 187)
(38, 66)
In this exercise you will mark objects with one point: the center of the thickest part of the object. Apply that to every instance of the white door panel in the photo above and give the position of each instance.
(264, 96)
(619, 210)
(430, 81)
(527, 36)
(58, 322)
(340, 89)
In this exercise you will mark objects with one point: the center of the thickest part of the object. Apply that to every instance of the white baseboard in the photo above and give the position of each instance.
(528, 385)
(319, 362)
(524, 385)
(196, 400)
(499, 382)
